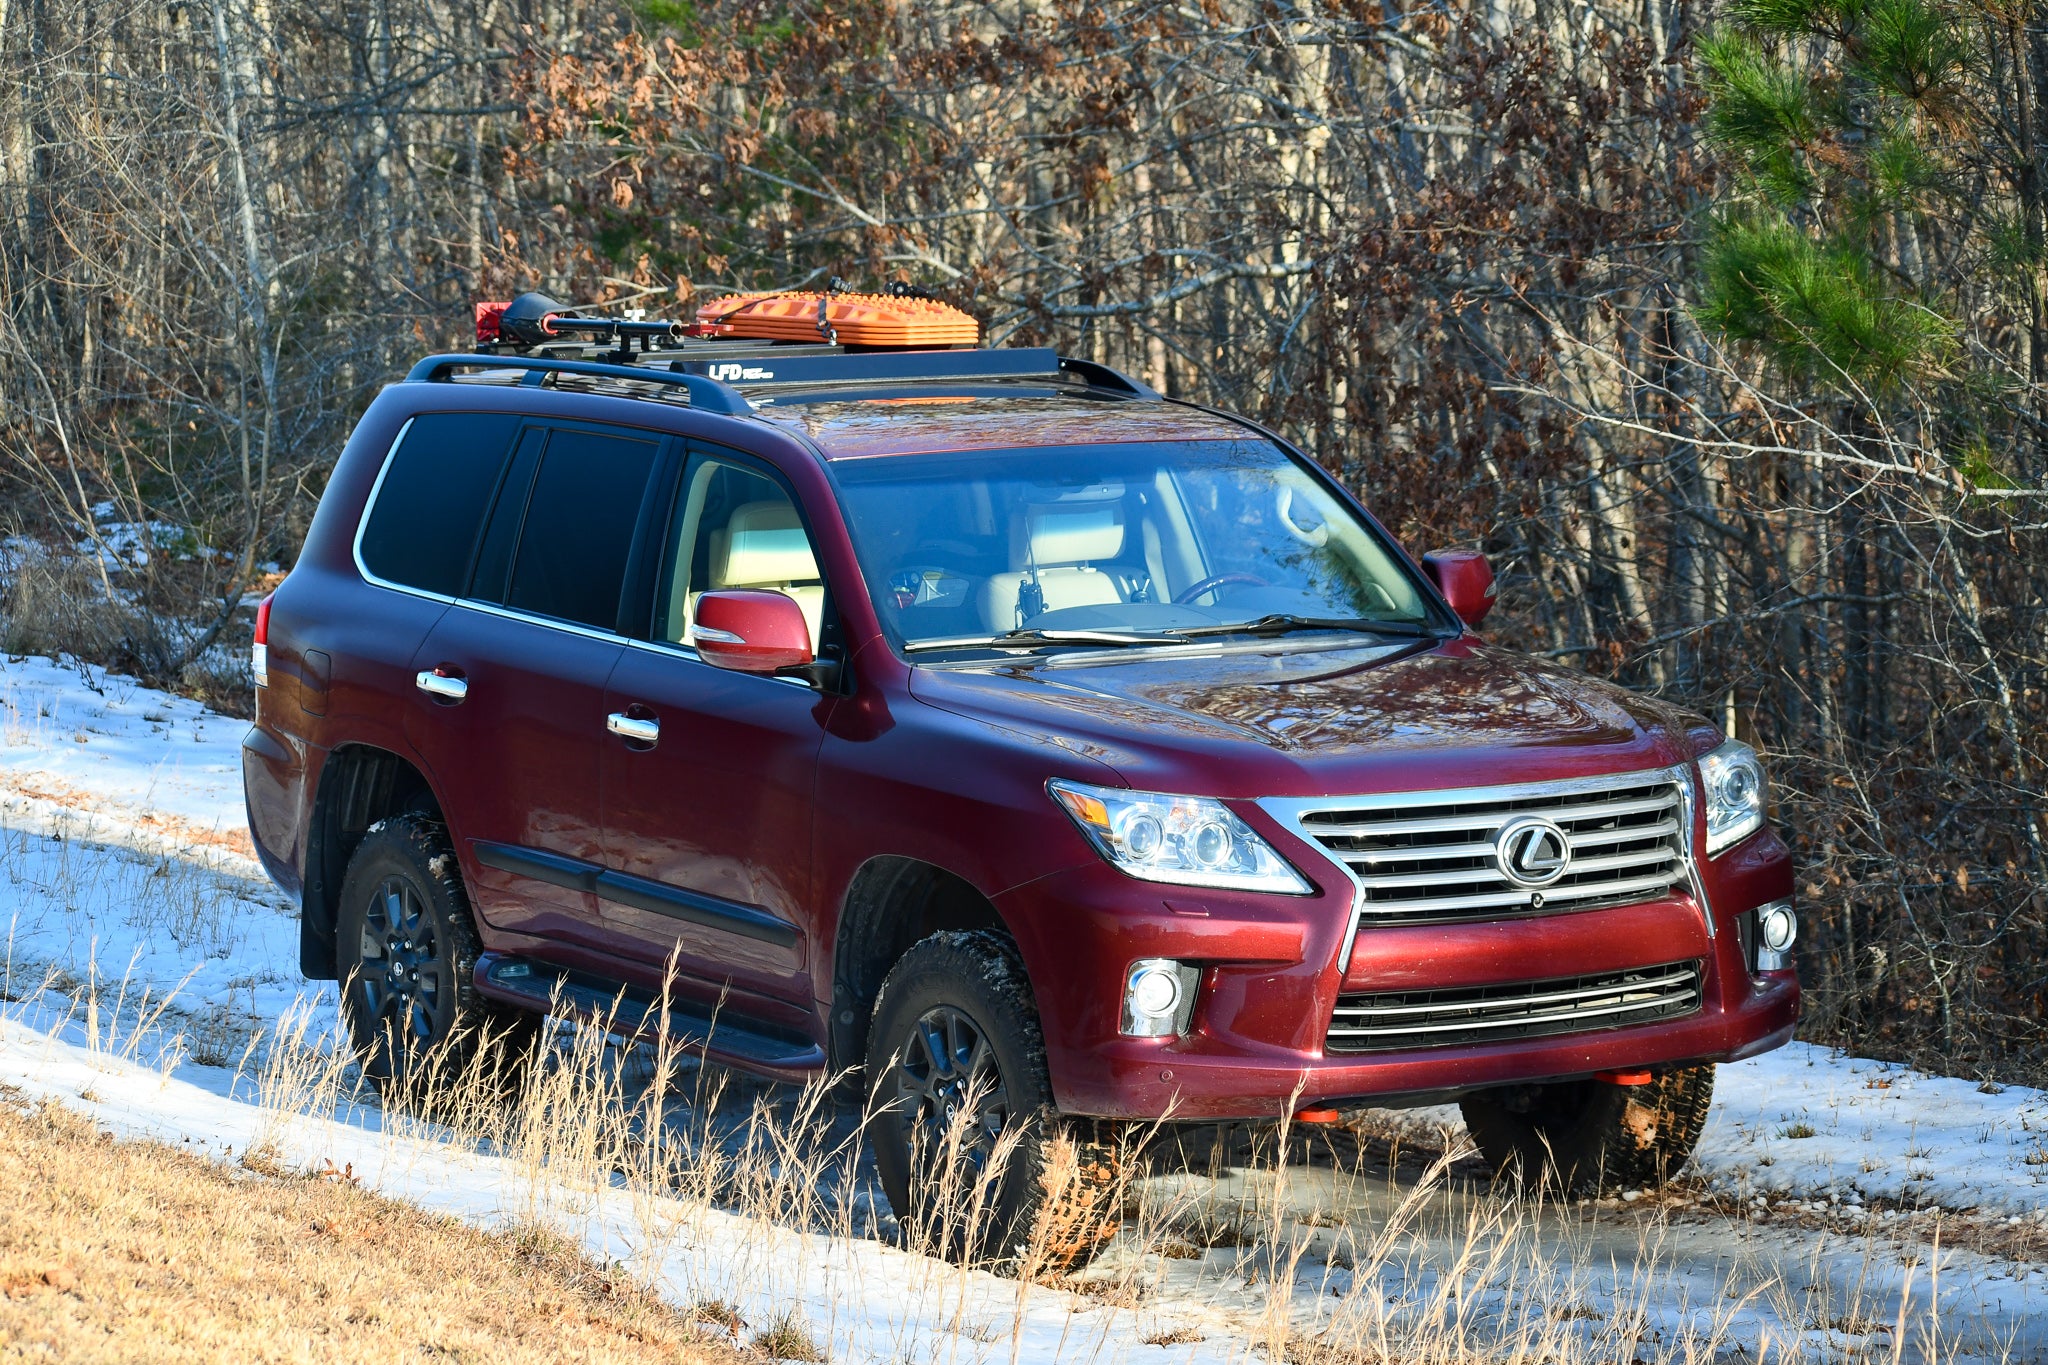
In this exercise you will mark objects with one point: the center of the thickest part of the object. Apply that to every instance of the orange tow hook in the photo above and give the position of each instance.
(1316, 1116)
(1624, 1077)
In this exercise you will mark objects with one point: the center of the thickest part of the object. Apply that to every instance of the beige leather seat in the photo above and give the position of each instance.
(763, 545)
(1065, 543)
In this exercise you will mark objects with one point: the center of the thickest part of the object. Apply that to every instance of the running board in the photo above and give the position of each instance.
(626, 1009)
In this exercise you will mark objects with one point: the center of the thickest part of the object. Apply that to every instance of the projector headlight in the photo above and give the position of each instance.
(1188, 840)
(1736, 794)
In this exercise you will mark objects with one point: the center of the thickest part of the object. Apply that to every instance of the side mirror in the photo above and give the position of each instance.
(1466, 581)
(751, 630)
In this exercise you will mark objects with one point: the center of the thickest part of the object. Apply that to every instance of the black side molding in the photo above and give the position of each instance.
(553, 868)
(642, 893)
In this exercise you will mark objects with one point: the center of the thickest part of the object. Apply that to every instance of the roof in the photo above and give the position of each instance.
(928, 425)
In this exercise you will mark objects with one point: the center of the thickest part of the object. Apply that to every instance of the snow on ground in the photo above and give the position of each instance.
(124, 862)
(856, 1297)
(124, 851)
(1804, 1120)
(96, 742)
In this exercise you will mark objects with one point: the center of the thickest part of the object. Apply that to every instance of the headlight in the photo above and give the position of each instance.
(1189, 840)
(1736, 794)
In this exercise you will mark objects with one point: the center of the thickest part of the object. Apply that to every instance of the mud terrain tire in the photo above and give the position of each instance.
(954, 1022)
(1583, 1136)
(406, 948)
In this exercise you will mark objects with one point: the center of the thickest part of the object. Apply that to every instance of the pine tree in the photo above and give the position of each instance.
(1838, 118)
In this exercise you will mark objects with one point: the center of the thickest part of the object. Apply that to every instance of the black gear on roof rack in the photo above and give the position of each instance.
(706, 395)
(539, 336)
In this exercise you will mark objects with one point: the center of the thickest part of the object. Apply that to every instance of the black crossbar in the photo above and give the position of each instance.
(714, 383)
(913, 367)
(706, 394)
(867, 367)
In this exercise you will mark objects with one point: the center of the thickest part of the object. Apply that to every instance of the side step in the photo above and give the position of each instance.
(730, 1039)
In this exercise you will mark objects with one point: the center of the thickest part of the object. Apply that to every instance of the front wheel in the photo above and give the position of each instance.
(974, 1160)
(1592, 1135)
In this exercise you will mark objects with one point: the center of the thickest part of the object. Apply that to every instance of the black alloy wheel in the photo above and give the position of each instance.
(961, 1119)
(406, 950)
(399, 968)
(948, 1069)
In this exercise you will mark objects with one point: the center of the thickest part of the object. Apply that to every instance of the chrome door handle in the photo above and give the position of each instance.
(441, 685)
(633, 727)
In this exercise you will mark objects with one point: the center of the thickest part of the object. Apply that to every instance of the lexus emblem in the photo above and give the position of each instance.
(1532, 851)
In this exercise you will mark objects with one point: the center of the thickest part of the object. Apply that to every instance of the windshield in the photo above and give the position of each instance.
(1085, 544)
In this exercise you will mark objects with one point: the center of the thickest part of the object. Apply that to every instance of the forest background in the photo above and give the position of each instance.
(1723, 330)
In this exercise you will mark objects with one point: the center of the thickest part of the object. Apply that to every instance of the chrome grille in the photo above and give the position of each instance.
(1431, 856)
(1525, 1009)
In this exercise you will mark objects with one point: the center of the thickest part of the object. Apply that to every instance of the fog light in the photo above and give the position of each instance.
(1158, 997)
(1776, 928)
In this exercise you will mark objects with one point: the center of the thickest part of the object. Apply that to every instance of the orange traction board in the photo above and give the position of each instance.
(857, 319)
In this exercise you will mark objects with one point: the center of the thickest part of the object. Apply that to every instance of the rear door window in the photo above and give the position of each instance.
(579, 524)
(430, 505)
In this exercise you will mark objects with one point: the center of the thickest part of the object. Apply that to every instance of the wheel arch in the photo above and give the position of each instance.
(892, 903)
(360, 784)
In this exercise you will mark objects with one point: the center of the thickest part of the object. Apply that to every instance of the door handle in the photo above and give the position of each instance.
(635, 728)
(445, 686)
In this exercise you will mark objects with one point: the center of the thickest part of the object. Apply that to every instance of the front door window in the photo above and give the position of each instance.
(737, 529)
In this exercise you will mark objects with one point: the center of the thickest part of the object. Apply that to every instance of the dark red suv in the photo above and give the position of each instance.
(1051, 750)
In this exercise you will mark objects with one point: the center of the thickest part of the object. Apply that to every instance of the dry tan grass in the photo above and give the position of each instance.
(133, 1251)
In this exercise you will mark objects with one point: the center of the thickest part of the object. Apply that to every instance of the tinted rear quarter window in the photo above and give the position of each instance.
(423, 526)
(571, 561)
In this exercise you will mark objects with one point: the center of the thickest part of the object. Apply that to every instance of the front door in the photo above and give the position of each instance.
(510, 711)
(708, 795)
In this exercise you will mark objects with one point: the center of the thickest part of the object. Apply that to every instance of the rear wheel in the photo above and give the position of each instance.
(970, 1152)
(406, 950)
(1589, 1135)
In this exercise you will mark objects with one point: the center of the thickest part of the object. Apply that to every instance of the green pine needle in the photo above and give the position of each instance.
(1819, 312)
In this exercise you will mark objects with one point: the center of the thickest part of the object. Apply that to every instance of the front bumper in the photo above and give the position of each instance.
(1270, 981)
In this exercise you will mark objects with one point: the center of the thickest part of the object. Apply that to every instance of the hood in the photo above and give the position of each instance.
(1304, 722)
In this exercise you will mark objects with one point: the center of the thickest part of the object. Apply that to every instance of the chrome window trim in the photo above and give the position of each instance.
(494, 608)
(491, 608)
(534, 619)
(1290, 811)
(676, 649)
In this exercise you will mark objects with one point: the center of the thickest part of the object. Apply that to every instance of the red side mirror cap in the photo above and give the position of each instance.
(751, 630)
(1466, 581)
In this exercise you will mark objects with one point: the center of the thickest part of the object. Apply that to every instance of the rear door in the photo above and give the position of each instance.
(509, 709)
(708, 827)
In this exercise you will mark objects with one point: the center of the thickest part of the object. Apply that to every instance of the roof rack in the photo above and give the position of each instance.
(706, 395)
(911, 367)
(539, 336)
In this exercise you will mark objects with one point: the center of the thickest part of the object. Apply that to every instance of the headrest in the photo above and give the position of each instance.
(1076, 534)
(765, 543)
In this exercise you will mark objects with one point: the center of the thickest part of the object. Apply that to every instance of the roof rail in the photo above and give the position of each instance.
(1103, 377)
(706, 394)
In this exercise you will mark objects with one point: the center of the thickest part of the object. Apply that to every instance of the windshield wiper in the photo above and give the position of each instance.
(1281, 623)
(1025, 638)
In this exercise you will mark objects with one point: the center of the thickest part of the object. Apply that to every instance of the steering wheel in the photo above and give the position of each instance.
(1314, 536)
(1215, 581)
